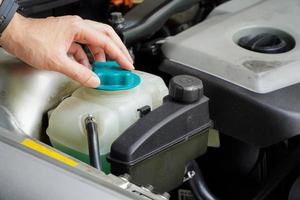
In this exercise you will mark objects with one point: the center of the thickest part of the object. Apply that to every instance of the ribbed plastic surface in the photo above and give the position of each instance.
(113, 78)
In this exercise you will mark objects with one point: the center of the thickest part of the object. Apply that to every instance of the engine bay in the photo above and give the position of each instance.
(212, 111)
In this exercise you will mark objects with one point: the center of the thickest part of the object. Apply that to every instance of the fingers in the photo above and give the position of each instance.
(109, 31)
(88, 35)
(80, 73)
(98, 53)
(79, 54)
(81, 57)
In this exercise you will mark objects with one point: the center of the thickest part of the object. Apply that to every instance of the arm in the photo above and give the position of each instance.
(46, 44)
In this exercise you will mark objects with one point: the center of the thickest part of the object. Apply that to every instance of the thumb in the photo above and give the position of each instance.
(80, 73)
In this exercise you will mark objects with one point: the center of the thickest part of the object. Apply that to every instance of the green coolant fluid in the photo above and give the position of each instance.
(83, 157)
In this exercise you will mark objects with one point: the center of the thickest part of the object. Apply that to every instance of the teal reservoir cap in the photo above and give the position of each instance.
(113, 78)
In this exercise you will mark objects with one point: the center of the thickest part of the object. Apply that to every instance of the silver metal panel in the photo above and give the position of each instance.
(29, 175)
(211, 46)
(26, 93)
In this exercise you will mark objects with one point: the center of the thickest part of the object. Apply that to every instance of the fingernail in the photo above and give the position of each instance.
(94, 81)
(132, 67)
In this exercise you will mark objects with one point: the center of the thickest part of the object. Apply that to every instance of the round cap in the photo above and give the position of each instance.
(114, 78)
(117, 17)
(185, 88)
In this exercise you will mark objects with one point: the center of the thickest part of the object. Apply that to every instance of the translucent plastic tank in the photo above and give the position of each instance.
(114, 106)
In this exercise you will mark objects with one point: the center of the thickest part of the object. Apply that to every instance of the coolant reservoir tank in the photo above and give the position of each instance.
(115, 105)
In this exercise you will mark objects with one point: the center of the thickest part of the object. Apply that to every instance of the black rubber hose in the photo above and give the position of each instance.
(93, 142)
(146, 19)
(197, 183)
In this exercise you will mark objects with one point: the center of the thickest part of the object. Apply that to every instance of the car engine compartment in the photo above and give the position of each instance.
(212, 111)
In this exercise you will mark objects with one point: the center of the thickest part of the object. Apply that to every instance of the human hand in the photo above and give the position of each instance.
(47, 44)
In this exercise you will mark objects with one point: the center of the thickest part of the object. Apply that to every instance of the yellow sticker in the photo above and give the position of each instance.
(46, 151)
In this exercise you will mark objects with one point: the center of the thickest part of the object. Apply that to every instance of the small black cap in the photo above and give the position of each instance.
(117, 17)
(185, 88)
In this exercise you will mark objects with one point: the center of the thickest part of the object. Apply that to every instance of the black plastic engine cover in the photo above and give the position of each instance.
(257, 119)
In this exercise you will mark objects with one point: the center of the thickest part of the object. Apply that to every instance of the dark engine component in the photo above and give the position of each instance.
(147, 18)
(93, 141)
(31, 7)
(295, 191)
(269, 118)
(197, 183)
(156, 149)
(267, 43)
(254, 97)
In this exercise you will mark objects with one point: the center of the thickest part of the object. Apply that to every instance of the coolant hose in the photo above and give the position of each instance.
(93, 142)
(197, 183)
